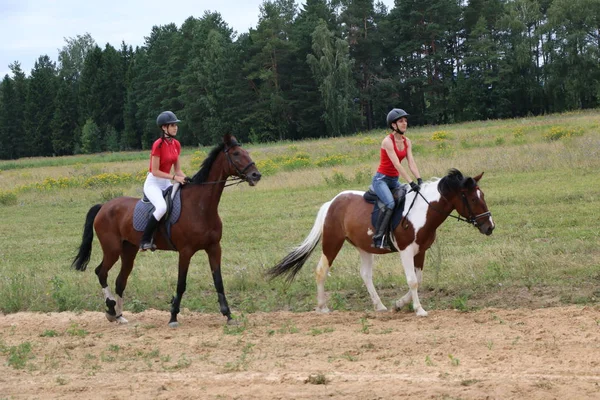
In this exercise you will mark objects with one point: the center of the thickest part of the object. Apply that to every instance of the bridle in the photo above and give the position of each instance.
(241, 173)
(472, 219)
(236, 180)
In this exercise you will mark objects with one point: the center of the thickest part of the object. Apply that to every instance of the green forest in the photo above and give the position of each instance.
(326, 68)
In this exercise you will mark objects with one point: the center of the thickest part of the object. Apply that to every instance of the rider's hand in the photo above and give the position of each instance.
(414, 187)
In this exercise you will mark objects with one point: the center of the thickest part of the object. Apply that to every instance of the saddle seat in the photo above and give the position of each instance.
(399, 199)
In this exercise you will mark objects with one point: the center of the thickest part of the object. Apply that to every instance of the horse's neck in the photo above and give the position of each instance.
(208, 195)
(436, 205)
(441, 206)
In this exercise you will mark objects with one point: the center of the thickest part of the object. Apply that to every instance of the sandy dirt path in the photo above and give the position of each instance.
(551, 353)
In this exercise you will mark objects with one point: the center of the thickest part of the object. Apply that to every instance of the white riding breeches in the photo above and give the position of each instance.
(153, 188)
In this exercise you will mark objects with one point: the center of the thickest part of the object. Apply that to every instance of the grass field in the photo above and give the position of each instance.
(541, 183)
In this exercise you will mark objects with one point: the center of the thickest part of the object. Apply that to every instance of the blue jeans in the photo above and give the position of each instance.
(383, 186)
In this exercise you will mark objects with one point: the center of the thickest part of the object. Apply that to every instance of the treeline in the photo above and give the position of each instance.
(328, 68)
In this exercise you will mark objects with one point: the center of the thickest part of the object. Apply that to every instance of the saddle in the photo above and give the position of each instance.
(399, 199)
(143, 210)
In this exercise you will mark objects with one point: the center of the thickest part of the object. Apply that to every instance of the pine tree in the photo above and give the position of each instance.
(111, 77)
(361, 23)
(156, 84)
(90, 86)
(90, 137)
(64, 122)
(112, 139)
(8, 110)
(268, 69)
(209, 84)
(132, 133)
(39, 109)
(18, 114)
(304, 96)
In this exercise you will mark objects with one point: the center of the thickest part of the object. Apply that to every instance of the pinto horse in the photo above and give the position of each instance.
(347, 217)
(198, 228)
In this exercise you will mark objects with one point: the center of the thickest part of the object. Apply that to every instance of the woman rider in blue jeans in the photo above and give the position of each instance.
(394, 148)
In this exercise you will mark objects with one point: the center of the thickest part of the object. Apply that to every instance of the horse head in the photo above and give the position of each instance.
(468, 199)
(240, 162)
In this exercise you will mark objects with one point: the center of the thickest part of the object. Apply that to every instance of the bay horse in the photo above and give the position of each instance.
(199, 228)
(347, 217)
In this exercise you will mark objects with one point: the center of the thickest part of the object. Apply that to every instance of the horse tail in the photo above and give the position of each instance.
(294, 261)
(85, 249)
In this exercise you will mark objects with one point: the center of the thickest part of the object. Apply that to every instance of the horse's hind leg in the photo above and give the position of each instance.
(109, 258)
(366, 272)
(128, 253)
(331, 248)
(321, 275)
(184, 264)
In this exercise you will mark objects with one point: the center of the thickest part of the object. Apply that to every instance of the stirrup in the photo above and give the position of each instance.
(147, 246)
(382, 245)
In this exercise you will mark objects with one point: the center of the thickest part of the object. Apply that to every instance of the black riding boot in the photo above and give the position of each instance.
(380, 230)
(146, 242)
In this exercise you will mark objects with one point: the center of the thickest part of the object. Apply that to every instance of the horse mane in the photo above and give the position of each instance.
(455, 181)
(202, 175)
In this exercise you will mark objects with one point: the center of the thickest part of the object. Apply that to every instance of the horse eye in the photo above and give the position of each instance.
(236, 153)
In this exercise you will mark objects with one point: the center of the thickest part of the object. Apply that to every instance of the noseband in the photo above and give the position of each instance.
(241, 173)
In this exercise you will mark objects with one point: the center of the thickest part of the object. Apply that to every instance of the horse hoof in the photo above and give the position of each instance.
(121, 320)
(233, 322)
(173, 324)
(398, 305)
(110, 318)
(322, 310)
(381, 308)
(421, 313)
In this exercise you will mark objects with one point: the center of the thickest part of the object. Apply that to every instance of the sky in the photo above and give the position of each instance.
(32, 28)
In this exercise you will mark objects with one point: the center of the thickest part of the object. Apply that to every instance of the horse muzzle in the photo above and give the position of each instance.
(253, 177)
(486, 228)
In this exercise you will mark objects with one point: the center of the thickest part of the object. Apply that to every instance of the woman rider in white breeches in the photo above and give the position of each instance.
(163, 157)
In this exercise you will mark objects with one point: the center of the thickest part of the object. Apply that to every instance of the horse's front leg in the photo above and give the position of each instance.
(214, 259)
(184, 264)
(419, 259)
(408, 262)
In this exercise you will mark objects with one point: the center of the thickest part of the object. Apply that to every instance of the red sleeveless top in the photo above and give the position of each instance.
(385, 165)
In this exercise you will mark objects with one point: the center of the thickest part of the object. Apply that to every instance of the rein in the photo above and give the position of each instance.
(472, 218)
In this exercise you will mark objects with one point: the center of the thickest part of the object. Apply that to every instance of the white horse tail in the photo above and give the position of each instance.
(293, 262)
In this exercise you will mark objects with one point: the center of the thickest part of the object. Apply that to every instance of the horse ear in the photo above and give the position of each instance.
(230, 140)
(478, 177)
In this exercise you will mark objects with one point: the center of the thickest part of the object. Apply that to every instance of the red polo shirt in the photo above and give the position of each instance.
(167, 151)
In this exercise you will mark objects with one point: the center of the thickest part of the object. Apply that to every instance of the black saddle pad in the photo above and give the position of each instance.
(143, 209)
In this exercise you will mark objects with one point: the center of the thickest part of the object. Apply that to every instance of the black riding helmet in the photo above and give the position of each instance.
(166, 118)
(395, 115)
